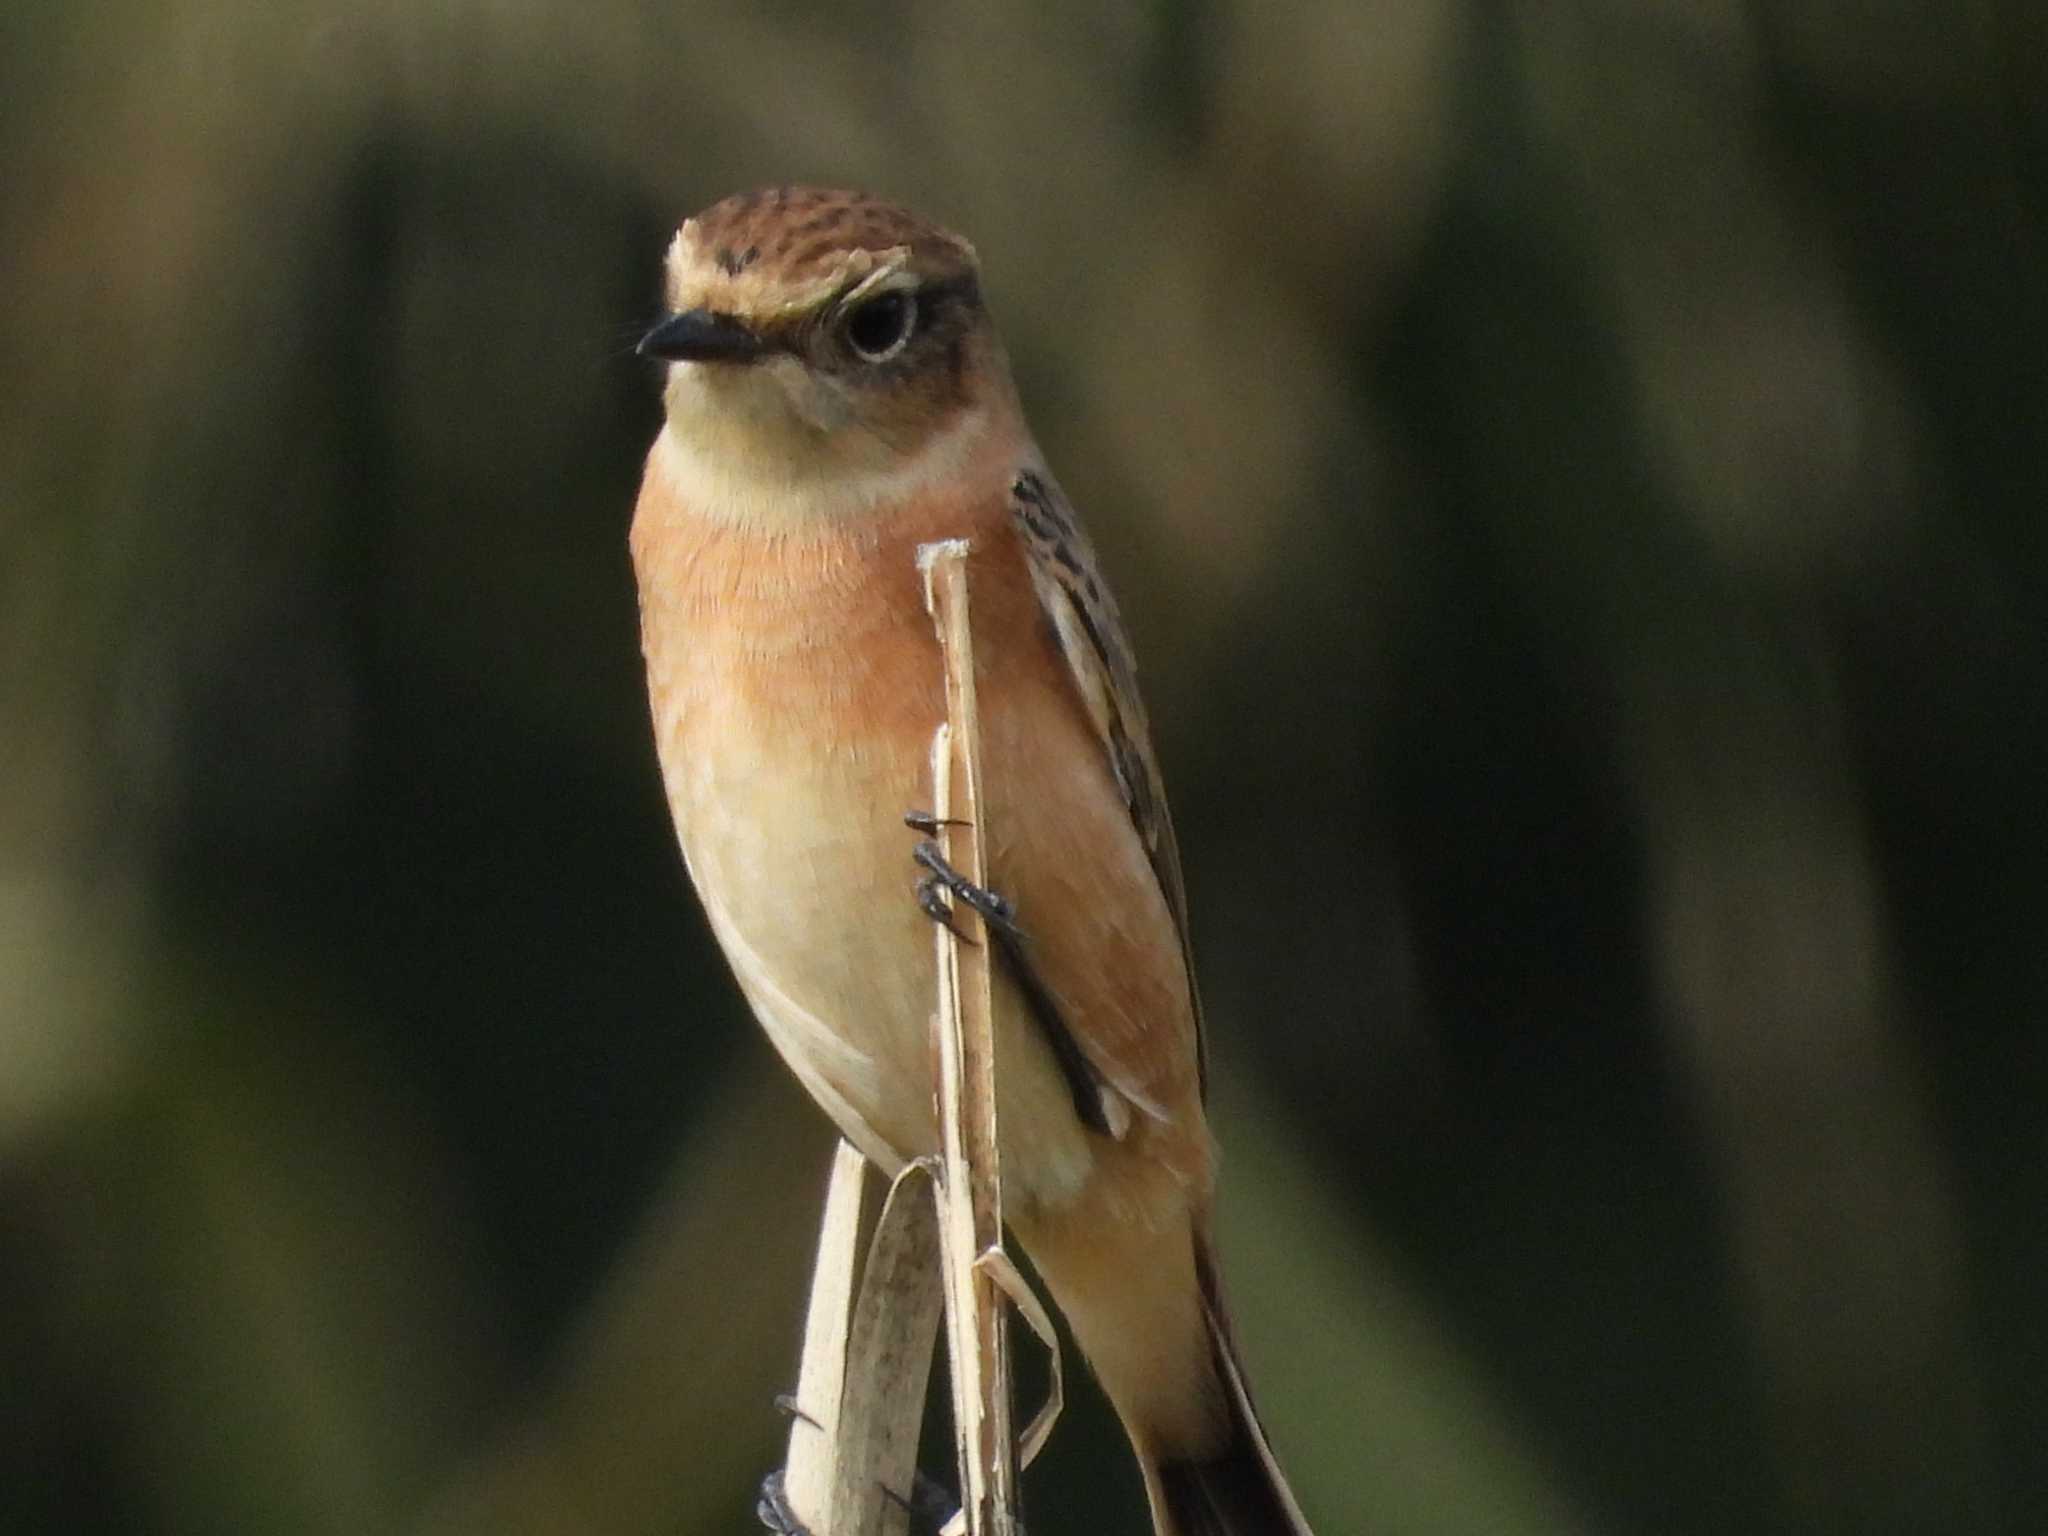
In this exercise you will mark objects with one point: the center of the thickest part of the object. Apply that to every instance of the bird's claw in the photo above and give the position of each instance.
(932, 900)
(929, 1506)
(787, 1405)
(996, 910)
(773, 1509)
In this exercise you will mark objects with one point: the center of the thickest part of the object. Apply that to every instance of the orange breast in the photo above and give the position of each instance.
(796, 685)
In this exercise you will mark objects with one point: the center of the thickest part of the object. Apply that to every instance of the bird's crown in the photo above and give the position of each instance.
(780, 253)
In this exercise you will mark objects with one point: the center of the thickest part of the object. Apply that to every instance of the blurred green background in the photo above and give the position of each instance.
(1576, 476)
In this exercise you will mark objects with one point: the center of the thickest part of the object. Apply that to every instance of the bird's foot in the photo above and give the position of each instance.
(930, 1505)
(942, 880)
(934, 903)
(772, 1508)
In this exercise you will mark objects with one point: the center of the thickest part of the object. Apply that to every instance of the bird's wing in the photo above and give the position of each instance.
(1070, 588)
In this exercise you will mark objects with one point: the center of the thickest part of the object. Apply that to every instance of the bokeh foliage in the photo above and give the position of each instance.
(1576, 475)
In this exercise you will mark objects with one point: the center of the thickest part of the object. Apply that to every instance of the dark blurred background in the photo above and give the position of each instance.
(1576, 476)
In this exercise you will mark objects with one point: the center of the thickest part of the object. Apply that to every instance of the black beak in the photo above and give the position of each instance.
(701, 336)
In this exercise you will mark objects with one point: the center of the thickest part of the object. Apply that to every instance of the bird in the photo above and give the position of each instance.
(835, 395)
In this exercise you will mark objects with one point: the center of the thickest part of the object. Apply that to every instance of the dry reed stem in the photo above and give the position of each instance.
(970, 1168)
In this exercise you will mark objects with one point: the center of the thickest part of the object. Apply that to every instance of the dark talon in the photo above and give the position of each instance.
(929, 1506)
(931, 897)
(787, 1405)
(929, 824)
(994, 909)
(772, 1508)
(1083, 1081)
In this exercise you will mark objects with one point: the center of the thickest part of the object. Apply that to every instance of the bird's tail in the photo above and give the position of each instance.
(1239, 1490)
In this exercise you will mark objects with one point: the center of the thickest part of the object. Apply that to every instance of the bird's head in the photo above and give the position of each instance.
(824, 346)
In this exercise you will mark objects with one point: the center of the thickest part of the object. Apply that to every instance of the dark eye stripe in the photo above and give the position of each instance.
(962, 292)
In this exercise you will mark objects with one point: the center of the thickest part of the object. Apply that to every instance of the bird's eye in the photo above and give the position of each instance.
(880, 328)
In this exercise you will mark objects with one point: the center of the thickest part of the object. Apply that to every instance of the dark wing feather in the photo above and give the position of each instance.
(1069, 584)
